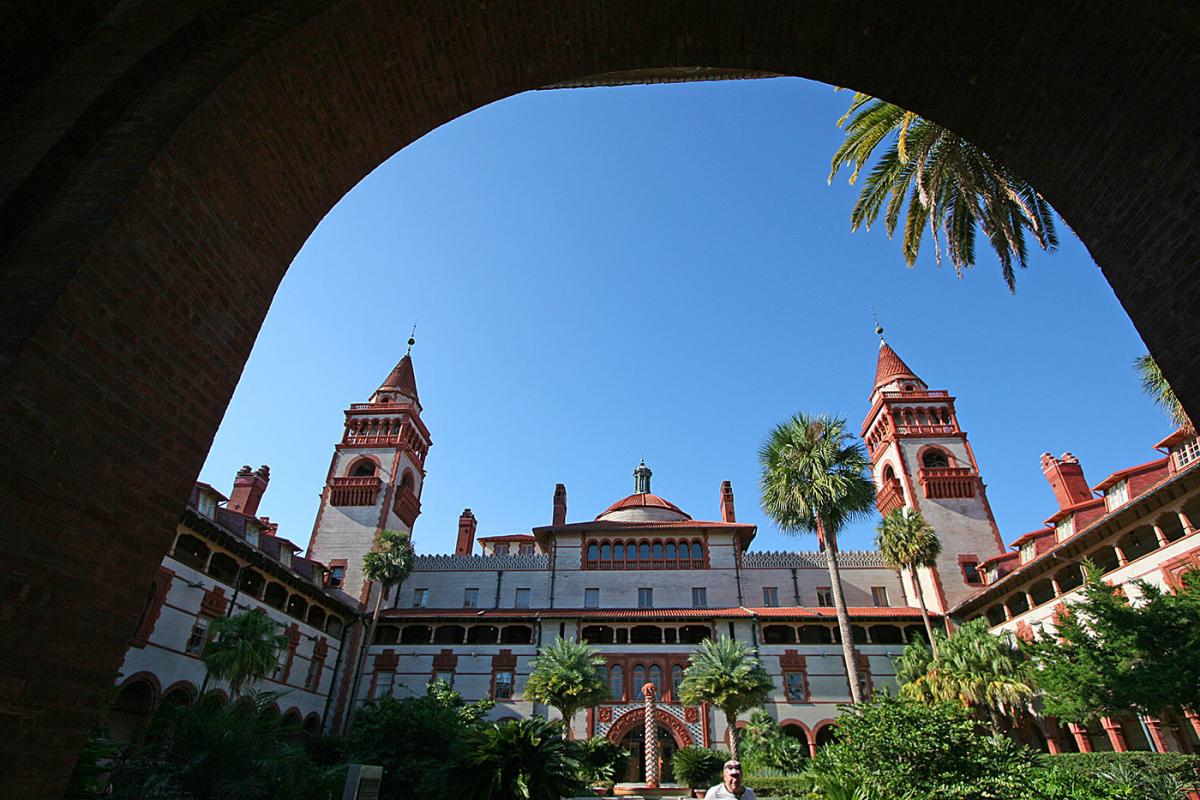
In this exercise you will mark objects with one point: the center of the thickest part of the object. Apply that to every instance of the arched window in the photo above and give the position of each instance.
(616, 682)
(223, 568)
(593, 552)
(516, 634)
(697, 551)
(658, 551)
(644, 551)
(415, 634)
(408, 482)
(656, 679)
(618, 554)
(333, 626)
(676, 682)
(297, 606)
(191, 551)
(275, 595)
(935, 459)
(670, 554)
(606, 552)
(364, 468)
(639, 679)
(645, 634)
(316, 617)
(889, 474)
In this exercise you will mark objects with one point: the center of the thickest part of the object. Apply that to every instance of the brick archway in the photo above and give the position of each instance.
(634, 718)
(164, 163)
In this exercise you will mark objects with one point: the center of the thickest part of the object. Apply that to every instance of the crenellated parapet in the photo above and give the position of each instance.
(807, 559)
(478, 563)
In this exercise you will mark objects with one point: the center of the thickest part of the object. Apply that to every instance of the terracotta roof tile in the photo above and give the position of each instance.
(401, 379)
(643, 500)
(890, 365)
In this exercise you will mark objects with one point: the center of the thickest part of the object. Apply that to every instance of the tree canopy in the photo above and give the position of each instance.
(725, 673)
(568, 675)
(245, 648)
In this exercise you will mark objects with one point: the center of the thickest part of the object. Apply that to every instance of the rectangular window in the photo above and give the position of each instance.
(503, 686)
(645, 598)
(1186, 453)
(443, 676)
(337, 575)
(824, 596)
(1117, 495)
(501, 549)
(1028, 551)
(879, 596)
(198, 638)
(526, 549)
(471, 598)
(521, 599)
(591, 598)
(971, 573)
(1063, 530)
(699, 597)
(770, 596)
(313, 679)
(207, 505)
(420, 598)
(385, 683)
(796, 687)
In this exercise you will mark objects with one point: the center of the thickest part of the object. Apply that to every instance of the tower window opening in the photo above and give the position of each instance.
(363, 469)
(935, 459)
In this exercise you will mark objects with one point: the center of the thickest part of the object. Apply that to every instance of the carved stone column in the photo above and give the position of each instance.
(651, 748)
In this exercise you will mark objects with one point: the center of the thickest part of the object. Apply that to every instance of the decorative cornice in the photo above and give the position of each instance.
(788, 559)
(478, 563)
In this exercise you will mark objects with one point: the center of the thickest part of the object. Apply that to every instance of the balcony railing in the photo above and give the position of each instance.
(925, 430)
(940, 483)
(354, 491)
(889, 497)
(916, 395)
(407, 506)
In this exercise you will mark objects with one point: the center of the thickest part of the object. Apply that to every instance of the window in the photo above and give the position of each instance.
(645, 598)
(503, 689)
(593, 552)
(443, 676)
(676, 682)
(1064, 529)
(656, 679)
(198, 638)
(521, 599)
(591, 598)
(616, 682)
(794, 686)
(697, 552)
(879, 596)
(313, 679)
(420, 598)
(639, 680)
(337, 575)
(971, 574)
(770, 596)
(501, 549)
(526, 549)
(935, 459)
(207, 505)
(1186, 453)
(1028, 551)
(471, 598)
(1117, 495)
(699, 597)
(824, 596)
(385, 684)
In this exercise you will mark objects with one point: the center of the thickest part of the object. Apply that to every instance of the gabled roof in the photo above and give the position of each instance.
(1120, 475)
(1032, 535)
(507, 537)
(890, 366)
(402, 379)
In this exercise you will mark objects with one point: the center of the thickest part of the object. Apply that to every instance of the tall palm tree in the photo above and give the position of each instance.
(951, 187)
(813, 481)
(983, 672)
(726, 674)
(568, 676)
(244, 649)
(1155, 385)
(907, 541)
(388, 563)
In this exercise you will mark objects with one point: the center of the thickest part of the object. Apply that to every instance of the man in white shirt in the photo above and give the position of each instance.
(731, 786)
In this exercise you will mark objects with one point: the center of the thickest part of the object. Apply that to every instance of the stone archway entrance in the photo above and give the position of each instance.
(164, 163)
(630, 732)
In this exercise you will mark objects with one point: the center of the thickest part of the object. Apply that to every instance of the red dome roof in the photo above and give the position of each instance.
(644, 500)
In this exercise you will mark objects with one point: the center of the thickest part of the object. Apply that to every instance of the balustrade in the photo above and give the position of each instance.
(354, 491)
(941, 483)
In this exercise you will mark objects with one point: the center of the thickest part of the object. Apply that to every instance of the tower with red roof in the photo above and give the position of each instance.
(921, 459)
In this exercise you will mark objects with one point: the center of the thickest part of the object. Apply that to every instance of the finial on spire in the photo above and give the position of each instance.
(878, 327)
(641, 478)
(412, 339)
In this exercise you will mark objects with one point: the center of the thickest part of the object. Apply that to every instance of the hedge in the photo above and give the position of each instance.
(1186, 767)
(777, 785)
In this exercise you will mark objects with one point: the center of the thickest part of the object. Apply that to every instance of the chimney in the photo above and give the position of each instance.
(1066, 479)
(248, 488)
(727, 514)
(466, 533)
(560, 505)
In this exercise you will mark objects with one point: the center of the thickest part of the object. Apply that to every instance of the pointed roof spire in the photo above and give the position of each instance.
(890, 366)
(401, 380)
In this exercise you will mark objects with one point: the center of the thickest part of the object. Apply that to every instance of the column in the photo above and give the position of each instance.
(1081, 737)
(1186, 522)
(1194, 719)
(1159, 535)
(651, 736)
(1115, 734)
(1154, 725)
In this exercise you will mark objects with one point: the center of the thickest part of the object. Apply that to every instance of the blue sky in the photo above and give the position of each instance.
(601, 275)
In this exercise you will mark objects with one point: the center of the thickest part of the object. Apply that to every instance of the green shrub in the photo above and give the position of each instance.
(600, 760)
(527, 759)
(1180, 765)
(778, 786)
(698, 767)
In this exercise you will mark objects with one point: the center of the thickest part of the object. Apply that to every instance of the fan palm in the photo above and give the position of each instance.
(726, 674)
(979, 670)
(907, 541)
(813, 481)
(518, 760)
(568, 675)
(245, 648)
(950, 185)
(1155, 385)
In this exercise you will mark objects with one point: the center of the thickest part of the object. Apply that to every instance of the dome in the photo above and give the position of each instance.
(643, 507)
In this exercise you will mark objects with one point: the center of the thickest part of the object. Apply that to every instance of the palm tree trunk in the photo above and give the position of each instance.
(839, 603)
(362, 657)
(568, 720)
(734, 734)
(924, 611)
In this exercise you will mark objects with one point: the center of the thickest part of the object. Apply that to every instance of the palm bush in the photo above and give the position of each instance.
(766, 750)
(906, 541)
(697, 767)
(525, 759)
(600, 761)
(727, 675)
(813, 481)
(568, 676)
(245, 649)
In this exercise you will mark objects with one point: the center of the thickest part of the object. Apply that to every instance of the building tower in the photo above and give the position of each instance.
(921, 459)
(375, 477)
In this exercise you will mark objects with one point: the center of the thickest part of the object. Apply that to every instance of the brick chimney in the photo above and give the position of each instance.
(560, 505)
(466, 533)
(1066, 479)
(248, 488)
(727, 514)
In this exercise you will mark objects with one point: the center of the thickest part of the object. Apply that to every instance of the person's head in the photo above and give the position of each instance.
(731, 775)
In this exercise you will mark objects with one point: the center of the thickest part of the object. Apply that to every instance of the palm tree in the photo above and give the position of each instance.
(388, 563)
(726, 674)
(569, 676)
(979, 670)
(813, 481)
(1155, 385)
(907, 541)
(244, 649)
(951, 187)
(520, 759)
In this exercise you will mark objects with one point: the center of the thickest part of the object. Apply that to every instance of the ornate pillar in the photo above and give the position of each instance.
(651, 732)
(1194, 719)
(1159, 535)
(1115, 734)
(1154, 725)
(1081, 737)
